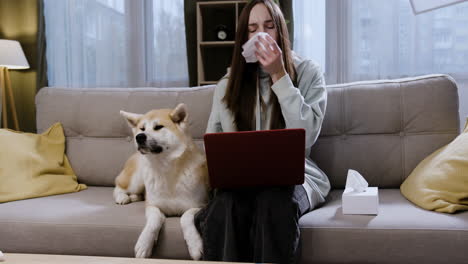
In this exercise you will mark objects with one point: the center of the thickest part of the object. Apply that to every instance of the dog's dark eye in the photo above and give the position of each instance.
(158, 127)
(142, 128)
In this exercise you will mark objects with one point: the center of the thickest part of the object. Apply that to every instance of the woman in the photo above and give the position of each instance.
(280, 91)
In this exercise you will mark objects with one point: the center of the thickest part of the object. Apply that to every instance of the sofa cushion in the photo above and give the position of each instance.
(113, 153)
(399, 121)
(440, 181)
(33, 165)
(84, 223)
(94, 112)
(89, 223)
(99, 140)
(400, 233)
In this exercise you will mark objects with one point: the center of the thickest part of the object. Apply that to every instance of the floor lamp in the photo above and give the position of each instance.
(11, 57)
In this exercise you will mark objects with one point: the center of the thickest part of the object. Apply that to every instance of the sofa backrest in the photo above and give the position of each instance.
(383, 129)
(380, 128)
(99, 140)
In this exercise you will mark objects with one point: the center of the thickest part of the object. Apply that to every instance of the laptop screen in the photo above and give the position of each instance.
(255, 158)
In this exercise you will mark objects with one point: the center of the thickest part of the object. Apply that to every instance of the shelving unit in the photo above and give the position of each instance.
(214, 55)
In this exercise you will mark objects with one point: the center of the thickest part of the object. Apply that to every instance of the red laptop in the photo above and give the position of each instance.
(255, 158)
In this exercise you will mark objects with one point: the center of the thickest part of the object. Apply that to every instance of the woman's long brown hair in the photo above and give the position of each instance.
(241, 89)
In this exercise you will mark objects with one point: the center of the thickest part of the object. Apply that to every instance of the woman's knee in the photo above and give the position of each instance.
(223, 196)
(227, 203)
(277, 199)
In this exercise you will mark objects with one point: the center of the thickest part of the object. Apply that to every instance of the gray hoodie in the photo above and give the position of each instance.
(302, 107)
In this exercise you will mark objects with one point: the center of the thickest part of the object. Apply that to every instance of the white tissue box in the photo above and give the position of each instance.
(366, 202)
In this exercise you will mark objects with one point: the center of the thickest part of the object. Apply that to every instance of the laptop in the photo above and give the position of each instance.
(255, 158)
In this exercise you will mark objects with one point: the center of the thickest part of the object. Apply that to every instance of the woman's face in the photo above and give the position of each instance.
(260, 20)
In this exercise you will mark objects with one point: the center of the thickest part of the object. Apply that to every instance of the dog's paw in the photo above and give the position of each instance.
(144, 246)
(195, 247)
(191, 235)
(122, 198)
(136, 198)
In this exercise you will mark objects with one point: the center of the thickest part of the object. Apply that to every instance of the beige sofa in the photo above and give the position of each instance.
(380, 128)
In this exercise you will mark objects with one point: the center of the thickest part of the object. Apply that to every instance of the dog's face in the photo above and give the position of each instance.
(158, 131)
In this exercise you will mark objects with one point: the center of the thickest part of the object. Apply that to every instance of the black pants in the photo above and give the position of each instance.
(259, 225)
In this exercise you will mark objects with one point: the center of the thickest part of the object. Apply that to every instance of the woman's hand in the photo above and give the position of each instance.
(270, 57)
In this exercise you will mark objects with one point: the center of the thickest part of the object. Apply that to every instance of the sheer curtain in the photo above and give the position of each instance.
(115, 43)
(368, 39)
(309, 30)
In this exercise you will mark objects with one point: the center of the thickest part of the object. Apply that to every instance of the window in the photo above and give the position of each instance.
(116, 43)
(366, 39)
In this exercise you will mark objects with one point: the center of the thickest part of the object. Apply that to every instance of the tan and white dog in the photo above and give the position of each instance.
(170, 170)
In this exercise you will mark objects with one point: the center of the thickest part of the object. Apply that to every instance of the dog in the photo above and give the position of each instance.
(168, 171)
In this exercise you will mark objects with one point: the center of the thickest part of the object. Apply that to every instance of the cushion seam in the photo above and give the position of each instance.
(363, 228)
(77, 225)
(402, 138)
(390, 81)
(56, 89)
(107, 137)
(397, 134)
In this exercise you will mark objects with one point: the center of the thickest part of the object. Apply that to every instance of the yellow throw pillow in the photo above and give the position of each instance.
(33, 165)
(440, 181)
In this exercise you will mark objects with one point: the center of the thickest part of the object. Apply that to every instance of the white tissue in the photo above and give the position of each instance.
(2, 258)
(250, 48)
(356, 182)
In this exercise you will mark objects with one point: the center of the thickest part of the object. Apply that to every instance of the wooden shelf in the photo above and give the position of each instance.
(217, 3)
(214, 56)
(216, 43)
(208, 82)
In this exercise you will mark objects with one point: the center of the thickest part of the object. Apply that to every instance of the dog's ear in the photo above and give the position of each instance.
(179, 114)
(131, 118)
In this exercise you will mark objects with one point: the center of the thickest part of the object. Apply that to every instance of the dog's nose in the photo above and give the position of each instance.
(140, 138)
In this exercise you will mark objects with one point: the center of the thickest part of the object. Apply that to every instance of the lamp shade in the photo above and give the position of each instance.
(12, 55)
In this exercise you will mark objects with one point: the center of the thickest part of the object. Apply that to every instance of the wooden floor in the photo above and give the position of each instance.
(64, 259)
